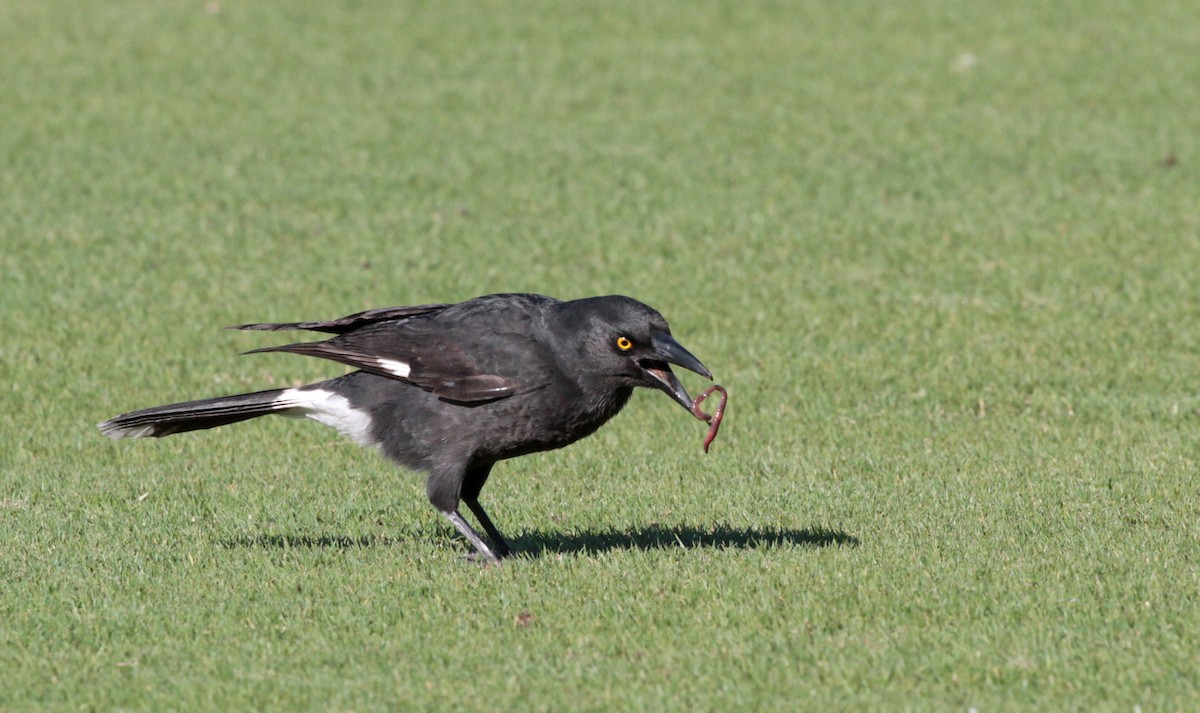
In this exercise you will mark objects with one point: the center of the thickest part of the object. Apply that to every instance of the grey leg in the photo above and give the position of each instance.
(502, 548)
(471, 485)
(473, 537)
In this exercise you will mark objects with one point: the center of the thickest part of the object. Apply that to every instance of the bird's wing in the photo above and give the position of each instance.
(347, 323)
(472, 352)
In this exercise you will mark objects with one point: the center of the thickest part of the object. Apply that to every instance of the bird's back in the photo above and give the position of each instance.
(509, 336)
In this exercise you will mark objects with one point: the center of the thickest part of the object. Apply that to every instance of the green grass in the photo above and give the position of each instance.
(943, 255)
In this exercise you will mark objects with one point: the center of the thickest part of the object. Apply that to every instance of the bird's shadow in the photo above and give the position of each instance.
(540, 543)
(309, 542)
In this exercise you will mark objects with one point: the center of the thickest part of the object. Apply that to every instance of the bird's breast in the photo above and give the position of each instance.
(549, 419)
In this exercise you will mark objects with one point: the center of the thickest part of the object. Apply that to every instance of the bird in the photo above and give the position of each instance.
(449, 390)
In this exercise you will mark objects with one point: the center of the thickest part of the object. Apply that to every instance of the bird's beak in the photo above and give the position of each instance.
(667, 351)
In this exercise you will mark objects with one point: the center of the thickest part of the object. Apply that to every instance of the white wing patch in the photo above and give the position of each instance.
(396, 368)
(329, 409)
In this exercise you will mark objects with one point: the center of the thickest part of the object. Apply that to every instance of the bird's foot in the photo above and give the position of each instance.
(484, 560)
(496, 554)
(482, 551)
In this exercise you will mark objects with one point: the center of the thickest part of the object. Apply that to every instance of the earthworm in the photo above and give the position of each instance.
(713, 420)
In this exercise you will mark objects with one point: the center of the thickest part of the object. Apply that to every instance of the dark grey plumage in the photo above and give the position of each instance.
(449, 390)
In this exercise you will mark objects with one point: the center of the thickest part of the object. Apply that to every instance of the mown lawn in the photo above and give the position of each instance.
(944, 257)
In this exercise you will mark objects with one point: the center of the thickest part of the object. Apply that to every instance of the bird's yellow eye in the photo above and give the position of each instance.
(624, 344)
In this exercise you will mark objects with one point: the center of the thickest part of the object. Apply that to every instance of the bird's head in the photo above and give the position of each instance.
(631, 344)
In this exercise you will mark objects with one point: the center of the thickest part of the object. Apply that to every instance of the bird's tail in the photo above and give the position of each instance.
(195, 415)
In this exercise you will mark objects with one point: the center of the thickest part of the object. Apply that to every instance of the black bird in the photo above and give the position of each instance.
(450, 389)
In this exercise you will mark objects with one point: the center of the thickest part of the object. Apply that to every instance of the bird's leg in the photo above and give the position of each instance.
(445, 487)
(473, 483)
(473, 537)
(501, 546)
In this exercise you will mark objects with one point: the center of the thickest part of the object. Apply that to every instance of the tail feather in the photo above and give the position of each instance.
(195, 415)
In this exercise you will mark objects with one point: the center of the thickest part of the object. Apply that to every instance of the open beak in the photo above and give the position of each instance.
(667, 351)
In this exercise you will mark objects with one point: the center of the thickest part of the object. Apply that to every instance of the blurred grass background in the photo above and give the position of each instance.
(942, 255)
